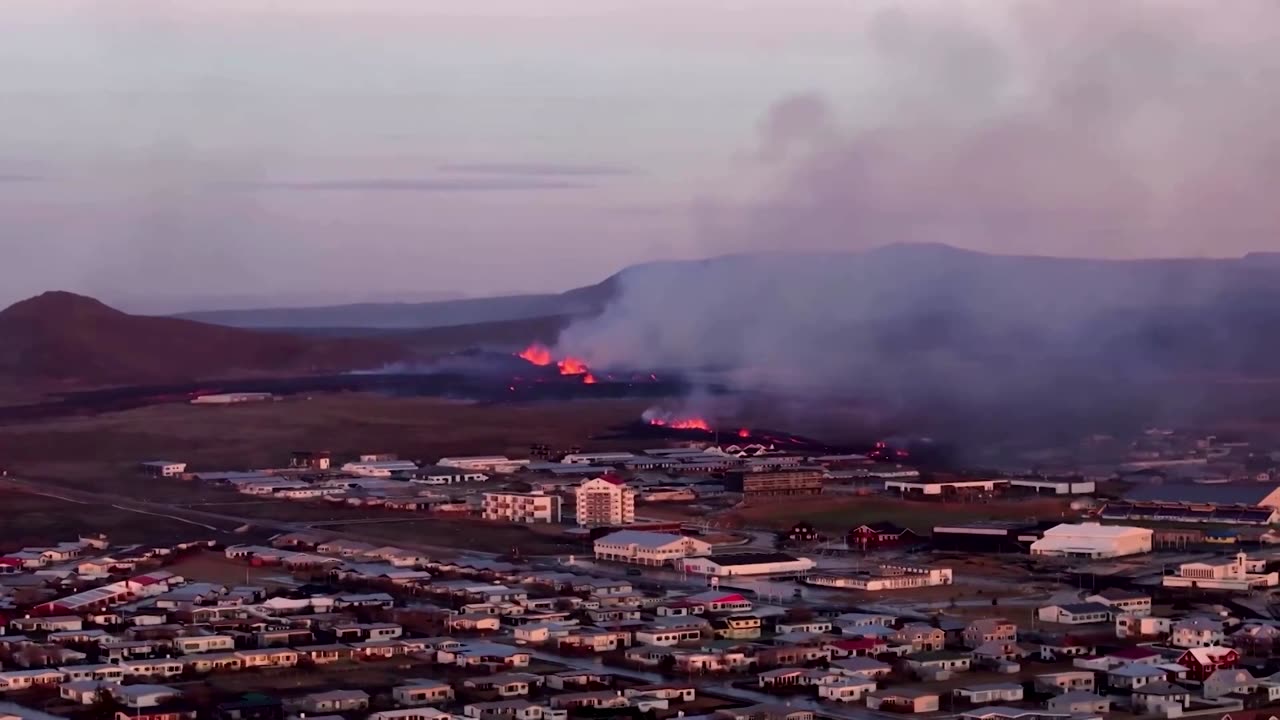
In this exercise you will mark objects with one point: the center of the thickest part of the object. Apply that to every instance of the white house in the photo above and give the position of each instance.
(164, 468)
(648, 548)
(1127, 602)
(1091, 541)
(1085, 613)
(846, 690)
(1197, 632)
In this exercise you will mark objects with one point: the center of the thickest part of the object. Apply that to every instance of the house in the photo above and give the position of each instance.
(989, 693)
(936, 663)
(812, 627)
(252, 706)
(802, 533)
(903, 700)
(102, 672)
(168, 711)
(1197, 632)
(860, 668)
(921, 637)
(721, 602)
(1226, 682)
(648, 548)
(596, 640)
(213, 662)
(14, 680)
(324, 654)
(1256, 638)
(144, 696)
(146, 669)
(335, 701)
(1066, 681)
(596, 700)
(1201, 662)
(672, 632)
(1160, 698)
(880, 535)
(988, 630)
(85, 692)
(504, 685)
(1134, 676)
(203, 644)
(782, 677)
(764, 712)
(857, 647)
(1085, 613)
(1079, 702)
(846, 690)
(1128, 602)
(1140, 626)
(1057, 648)
(671, 692)
(268, 658)
(484, 654)
(737, 627)
(511, 710)
(577, 680)
(1136, 654)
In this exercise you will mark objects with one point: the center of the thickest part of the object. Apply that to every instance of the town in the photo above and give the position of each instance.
(659, 590)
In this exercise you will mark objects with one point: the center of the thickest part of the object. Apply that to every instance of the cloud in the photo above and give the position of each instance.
(6, 178)
(423, 185)
(538, 169)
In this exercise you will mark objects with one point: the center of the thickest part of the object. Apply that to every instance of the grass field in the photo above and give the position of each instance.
(101, 452)
(37, 520)
(837, 514)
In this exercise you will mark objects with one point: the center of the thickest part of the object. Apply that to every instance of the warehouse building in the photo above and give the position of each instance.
(1093, 541)
(800, 481)
(1243, 503)
(939, 488)
(648, 548)
(760, 563)
(990, 536)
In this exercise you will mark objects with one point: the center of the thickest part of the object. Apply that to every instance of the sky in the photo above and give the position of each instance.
(168, 155)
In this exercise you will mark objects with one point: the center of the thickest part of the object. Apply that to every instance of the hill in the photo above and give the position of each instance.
(445, 313)
(63, 337)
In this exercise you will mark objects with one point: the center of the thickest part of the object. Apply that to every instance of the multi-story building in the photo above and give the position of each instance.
(1239, 573)
(799, 481)
(521, 507)
(605, 500)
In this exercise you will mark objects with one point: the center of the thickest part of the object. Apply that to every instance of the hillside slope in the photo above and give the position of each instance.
(59, 336)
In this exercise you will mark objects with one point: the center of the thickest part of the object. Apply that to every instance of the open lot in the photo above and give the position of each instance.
(38, 520)
(836, 514)
(101, 452)
(469, 534)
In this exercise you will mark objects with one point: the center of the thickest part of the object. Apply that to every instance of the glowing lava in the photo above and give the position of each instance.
(572, 366)
(694, 423)
(588, 379)
(744, 433)
(536, 354)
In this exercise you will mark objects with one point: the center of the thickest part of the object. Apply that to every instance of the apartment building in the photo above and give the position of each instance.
(525, 508)
(605, 500)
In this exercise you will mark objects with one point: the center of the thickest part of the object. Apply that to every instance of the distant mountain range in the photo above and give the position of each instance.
(922, 316)
(440, 313)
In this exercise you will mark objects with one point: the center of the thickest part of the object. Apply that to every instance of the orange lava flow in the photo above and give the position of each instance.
(536, 354)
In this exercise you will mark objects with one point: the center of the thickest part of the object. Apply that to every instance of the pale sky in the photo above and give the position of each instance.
(165, 154)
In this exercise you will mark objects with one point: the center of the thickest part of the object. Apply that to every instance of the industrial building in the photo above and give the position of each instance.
(884, 577)
(753, 563)
(989, 536)
(521, 507)
(379, 468)
(164, 468)
(605, 500)
(1189, 512)
(939, 488)
(1054, 485)
(1093, 541)
(648, 548)
(486, 463)
(1237, 573)
(800, 481)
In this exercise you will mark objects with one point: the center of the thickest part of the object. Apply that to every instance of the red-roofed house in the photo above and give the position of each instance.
(857, 647)
(1205, 661)
(10, 566)
(716, 601)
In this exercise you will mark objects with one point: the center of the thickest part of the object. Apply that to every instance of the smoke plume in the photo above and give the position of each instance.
(1081, 129)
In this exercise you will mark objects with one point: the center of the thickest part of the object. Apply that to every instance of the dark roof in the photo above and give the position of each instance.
(1085, 607)
(1161, 688)
(733, 559)
(1121, 594)
(1245, 493)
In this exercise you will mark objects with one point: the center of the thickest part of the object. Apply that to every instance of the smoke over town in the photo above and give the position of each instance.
(1075, 129)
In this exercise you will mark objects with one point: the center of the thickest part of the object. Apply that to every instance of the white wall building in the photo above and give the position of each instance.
(609, 458)
(746, 563)
(605, 501)
(1091, 540)
(648, 548)
(1237, 573)
(521, 507)
(164, 468)
(487, 463)
(884, 577)
(379, 468)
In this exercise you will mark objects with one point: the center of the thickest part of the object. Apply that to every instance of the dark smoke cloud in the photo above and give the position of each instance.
(1120, 128)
